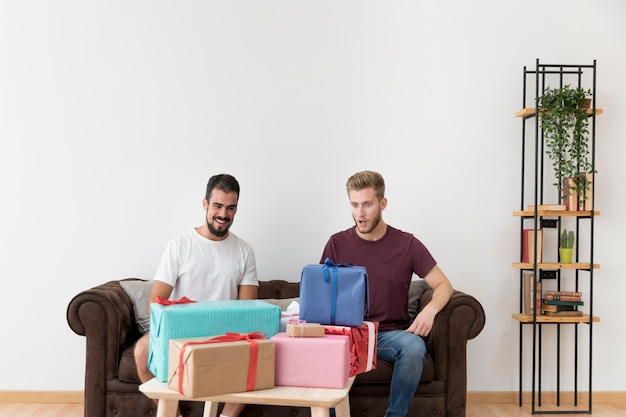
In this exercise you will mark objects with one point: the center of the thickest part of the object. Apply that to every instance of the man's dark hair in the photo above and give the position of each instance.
(226, 183)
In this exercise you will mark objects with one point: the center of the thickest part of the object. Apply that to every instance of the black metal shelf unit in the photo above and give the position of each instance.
(534, 185)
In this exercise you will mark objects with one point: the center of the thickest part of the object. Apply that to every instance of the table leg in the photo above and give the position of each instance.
(320, 412)
(167, 408)
(343, 408)
(210, 409)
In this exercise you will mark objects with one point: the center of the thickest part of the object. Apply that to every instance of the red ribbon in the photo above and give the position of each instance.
(362, 345)
(166, 302)
(228, 337)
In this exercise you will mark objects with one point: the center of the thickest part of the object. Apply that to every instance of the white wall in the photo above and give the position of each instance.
(114, 114)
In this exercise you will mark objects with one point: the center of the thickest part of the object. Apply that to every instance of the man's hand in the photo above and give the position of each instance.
(442, 291)
(423, 323)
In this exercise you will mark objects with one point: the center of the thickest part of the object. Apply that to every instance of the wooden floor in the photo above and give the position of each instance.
(514, 410)
(473, 410)
(40, 410)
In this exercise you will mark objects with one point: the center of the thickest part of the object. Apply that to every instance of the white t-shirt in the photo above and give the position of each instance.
(203, 269)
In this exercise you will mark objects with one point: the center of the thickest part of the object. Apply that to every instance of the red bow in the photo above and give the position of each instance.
(362, 345)
(166, 302)
(228, 337)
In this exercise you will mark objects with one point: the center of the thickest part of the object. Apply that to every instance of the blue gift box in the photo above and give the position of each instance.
(333, 294)
(205, 318)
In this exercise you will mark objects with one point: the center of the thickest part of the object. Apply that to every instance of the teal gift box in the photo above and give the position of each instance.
(202, 319)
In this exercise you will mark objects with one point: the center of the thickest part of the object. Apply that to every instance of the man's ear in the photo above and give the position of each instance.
(383, 203)
(205, 204)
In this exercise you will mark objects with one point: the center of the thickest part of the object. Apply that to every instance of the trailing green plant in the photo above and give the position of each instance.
(567, 239)
(565, 126)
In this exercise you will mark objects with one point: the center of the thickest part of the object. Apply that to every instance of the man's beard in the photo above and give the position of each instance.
(374, 223)
(218, 232)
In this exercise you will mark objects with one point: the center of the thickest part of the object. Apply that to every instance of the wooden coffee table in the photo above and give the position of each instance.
(320, 400)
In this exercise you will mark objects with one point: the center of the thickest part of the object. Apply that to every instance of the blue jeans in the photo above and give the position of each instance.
(407, 353)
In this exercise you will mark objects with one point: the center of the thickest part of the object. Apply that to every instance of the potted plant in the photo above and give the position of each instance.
(566, 246)
(565, 125)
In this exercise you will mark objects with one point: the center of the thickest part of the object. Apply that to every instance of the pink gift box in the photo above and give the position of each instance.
(318, 362)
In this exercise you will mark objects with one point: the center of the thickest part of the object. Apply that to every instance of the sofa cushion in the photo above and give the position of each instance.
(127, 371)
(139, 293)
(416, 290)
(277, 288)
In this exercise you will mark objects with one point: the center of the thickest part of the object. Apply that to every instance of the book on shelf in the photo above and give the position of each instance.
(563, 303)
(551, 292)
(548, 207)
(572, 313)
(530, 285)
(548, 307)
(528, 245)
(558, 297)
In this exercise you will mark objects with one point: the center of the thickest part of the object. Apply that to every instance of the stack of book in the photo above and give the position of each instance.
(562, 303)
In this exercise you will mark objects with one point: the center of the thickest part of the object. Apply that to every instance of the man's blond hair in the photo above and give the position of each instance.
(366, 179)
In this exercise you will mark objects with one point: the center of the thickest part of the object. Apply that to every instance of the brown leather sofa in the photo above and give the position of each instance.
(104, 314)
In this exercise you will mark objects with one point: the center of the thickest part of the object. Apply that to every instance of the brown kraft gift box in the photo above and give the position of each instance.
(305, 330)
(215, 368)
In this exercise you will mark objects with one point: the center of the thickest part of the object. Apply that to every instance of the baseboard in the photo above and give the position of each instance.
(512, 397)
(475, 397)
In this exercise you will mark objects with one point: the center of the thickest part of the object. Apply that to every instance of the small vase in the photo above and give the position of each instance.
(570, 197)
(565, 254)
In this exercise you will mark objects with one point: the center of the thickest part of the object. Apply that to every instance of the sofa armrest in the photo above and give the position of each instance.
(104, 315)
(462, 319)
(471, 318)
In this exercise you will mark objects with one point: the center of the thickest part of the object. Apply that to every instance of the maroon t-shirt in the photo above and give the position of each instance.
(390, 263)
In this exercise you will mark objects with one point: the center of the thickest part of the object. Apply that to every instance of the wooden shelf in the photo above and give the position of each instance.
(553, 213)
(554, 265)
(527, 318)
(531, 111)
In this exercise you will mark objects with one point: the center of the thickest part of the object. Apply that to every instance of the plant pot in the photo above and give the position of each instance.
(588, 203)
(575, 199)
(565, 255)
(586, 103)
(570, 198)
